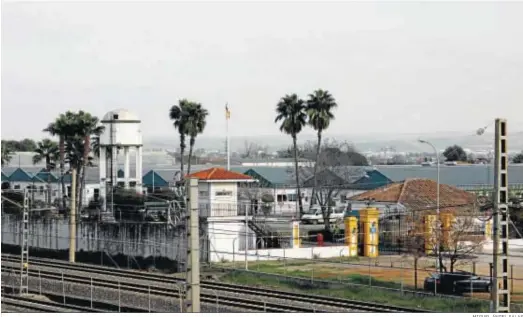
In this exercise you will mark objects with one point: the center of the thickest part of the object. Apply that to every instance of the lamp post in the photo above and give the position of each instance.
(437, 198)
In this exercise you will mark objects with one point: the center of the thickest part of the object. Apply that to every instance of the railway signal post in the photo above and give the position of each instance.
(193, 250)
(24, 264)
(500, 284)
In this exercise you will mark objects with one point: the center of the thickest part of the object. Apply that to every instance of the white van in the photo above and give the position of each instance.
(315, 216)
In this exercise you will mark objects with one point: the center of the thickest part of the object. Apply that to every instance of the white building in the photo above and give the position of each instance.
(226, 219)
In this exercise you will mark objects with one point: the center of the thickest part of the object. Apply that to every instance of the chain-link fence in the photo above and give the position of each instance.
(393, 279)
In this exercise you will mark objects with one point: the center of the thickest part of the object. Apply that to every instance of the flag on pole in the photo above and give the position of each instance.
(227, 112)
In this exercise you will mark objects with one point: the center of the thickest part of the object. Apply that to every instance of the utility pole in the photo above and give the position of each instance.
(24, 264)
(500, 285)
(72, 218)
(193, 249)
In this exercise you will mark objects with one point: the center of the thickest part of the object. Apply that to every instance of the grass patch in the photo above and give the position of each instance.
(357, 292)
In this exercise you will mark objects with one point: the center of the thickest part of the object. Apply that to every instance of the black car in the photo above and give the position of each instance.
(445, 281)
(475, 284)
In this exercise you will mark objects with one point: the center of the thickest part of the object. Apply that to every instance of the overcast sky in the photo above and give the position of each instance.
(393, 68)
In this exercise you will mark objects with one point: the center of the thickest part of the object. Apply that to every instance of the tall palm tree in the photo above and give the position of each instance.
(7, 152)
(85, 126)
(178, 113)
(47, 150)
(290, 110)
(319, 109)
(195, 124)
(61, 127)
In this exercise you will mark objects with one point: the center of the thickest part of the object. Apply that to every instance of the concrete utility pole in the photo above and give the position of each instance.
(72, 219)
(500, 291)
(193, 250)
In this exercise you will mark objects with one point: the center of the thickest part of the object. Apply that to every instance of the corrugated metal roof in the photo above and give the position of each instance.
(452, 175)
(284, 176)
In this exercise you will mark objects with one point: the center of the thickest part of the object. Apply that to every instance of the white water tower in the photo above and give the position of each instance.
(122, 133)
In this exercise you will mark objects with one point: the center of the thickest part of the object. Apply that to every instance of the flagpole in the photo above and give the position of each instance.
(227, 116)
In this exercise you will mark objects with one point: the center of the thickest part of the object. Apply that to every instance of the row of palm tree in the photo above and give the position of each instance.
(294, 114)
(189, 119)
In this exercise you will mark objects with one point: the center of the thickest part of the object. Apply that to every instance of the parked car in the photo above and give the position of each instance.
(445, 281)
(475, 284)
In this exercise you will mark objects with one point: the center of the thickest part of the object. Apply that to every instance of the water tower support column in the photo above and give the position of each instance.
(126, 167)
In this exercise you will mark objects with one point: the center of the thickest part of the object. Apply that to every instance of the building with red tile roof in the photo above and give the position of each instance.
(418, 194)
(218, 174)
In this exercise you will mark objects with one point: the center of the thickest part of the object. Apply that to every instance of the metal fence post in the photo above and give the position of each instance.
(149, 297)
(511, 278)
(401, 277)
(39, 282)
(264, 306)
(119, 298)
(312, 276)
(63, 287)
(181, 297)
(217, 302)
(91, 292)
(370, 279)
(284, 262)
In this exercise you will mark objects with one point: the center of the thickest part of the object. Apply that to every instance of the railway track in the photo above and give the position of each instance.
(219, 286)
(36, 305)
(173, 292)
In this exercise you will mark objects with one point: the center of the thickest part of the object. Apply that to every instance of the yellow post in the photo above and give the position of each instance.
(351, 235)
(447, 219)
(429, 230)
(369, 218)
(295, 234)
(488, 230)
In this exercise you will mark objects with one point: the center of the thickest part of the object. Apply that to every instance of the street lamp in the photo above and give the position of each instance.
(437, 194)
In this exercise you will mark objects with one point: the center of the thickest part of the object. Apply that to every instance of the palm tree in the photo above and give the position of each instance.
(290, 110)
(6, 153)
(47, 150)
(178, 113)
(195, 124)
(319, 109)
(85, 126)
(61, 127)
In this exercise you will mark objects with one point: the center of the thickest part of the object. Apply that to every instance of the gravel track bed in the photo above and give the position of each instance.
(108, 277)
(101, 294)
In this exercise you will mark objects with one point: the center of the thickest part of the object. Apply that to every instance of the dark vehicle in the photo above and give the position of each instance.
(445, 281)
(474, 284)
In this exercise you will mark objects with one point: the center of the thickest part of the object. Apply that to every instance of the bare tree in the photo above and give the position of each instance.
(338, 167)
(458, 241)
(414, 241)
(253, 150)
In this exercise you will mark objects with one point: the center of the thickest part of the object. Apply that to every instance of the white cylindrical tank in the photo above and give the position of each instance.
(122, 134)
(123, 127)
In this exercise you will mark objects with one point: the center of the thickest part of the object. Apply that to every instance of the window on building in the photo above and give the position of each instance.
(223, 193)
(41, 189)
(292, 197)
(69, 191)
(281, 198)
(132, 184)
(17, 187)
(96, 194)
